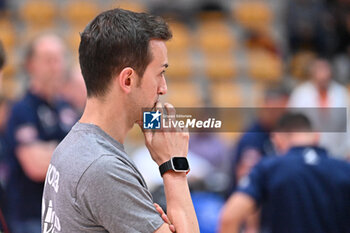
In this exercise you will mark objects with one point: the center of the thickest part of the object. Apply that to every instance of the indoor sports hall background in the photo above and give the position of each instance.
(224, 53)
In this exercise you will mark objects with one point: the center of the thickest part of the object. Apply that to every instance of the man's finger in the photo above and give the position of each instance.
(159, 107)
(172, 228)
(170, 109)
(159, 209)
(171, 115)
(165, 218)
(148, 136)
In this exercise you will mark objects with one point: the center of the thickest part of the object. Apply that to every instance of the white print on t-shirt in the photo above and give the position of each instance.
(311, 157)
(51, 221)
(52, 177)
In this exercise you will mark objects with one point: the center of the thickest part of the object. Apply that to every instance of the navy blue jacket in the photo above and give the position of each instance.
(32, 119)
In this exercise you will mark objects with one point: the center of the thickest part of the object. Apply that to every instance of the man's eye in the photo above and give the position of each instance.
(163, 72)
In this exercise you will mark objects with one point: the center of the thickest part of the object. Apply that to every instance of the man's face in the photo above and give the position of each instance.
(269, 117)
(153, 83)
(321, 74)
(47, 66)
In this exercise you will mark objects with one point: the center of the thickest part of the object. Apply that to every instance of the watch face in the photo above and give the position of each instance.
(180, 163)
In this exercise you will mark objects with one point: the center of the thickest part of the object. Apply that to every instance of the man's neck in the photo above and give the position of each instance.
(107, 116)
(50, 99)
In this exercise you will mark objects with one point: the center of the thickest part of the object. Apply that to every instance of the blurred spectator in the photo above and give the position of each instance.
(37, 123)
(74, 90)
(310, 27)
(305, 189)
(322, 92)
(255, 142)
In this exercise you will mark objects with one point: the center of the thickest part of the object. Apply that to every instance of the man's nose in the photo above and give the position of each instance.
(163, 88)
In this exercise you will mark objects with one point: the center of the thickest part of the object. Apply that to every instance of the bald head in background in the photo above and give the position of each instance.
(45, 64)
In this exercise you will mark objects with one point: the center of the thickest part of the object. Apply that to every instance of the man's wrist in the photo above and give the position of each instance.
(174, 175)
(177, 164)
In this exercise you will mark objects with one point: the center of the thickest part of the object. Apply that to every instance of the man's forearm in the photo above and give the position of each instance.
(180, 209)
(237, 209)
(229, 226)
(35, 159)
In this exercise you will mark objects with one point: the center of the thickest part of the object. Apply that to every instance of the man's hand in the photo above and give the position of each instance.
(165, 217)
(35, 159)
(235, 212)
(164, 145)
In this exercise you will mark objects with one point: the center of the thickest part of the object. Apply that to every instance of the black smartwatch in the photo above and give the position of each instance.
(177, 164)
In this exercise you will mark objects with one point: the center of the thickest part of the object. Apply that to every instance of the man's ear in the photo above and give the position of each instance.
(126, 79)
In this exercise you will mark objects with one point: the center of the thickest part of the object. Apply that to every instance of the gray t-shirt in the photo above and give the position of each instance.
(93, 186)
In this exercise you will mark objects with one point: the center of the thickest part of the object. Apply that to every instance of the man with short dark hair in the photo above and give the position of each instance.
(92, 185)
(304, 191)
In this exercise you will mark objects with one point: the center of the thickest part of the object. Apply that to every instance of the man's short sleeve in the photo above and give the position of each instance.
(252, 184)
(22, 126)
(112, 195)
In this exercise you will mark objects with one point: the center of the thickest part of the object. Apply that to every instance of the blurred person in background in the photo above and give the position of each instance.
(37, 123)
(321, 91)
(256, 143)
(306, 189)
(74, 90)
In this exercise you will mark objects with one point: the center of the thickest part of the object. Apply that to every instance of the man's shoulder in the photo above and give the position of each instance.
(338, 164)
(82, 150)
(23, 106)
(80, 145)
(273, 164)
(269, 161)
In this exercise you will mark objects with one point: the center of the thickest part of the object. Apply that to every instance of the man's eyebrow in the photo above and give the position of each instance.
(165, 65)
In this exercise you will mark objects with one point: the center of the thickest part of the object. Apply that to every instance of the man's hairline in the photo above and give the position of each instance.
(151, 56)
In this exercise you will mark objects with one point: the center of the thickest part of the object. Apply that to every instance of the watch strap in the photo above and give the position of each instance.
(163, 168)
